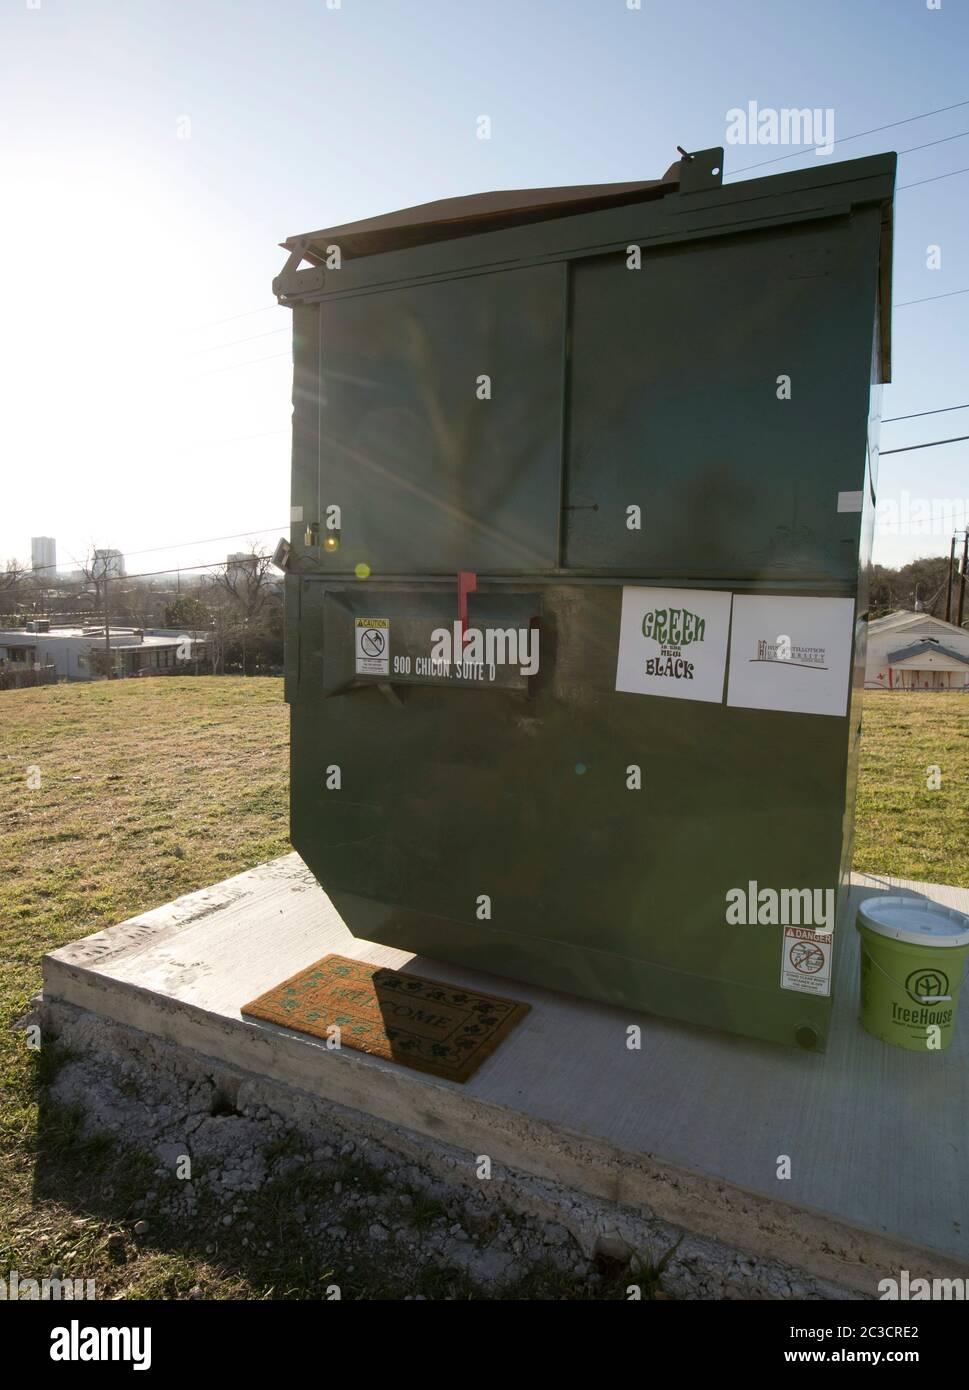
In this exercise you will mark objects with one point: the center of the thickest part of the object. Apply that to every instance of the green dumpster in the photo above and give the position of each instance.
(582, 505)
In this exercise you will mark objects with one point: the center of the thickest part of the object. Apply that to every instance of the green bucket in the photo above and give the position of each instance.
(913, 955)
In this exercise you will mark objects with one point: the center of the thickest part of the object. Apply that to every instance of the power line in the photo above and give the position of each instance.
(912, 149)
(961, 135)
(247, 315)
(891, 125)
(174, 545)
(152, 574)
(905, 302)
(919, 413)
(918, 184)
(207, 540)
(236, 342)
(179, 569)
(232, 366)
(932, 444)
(934, 596)
(861, 134)
(238, 438)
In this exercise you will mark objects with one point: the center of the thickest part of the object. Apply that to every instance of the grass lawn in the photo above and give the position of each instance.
(148, 789)
(152, 788)
(901, 826)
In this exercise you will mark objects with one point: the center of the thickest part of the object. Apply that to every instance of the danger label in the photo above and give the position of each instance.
(372, 645)
(806, 961)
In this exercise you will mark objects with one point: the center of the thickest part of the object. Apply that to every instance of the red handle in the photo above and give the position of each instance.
(467, 584)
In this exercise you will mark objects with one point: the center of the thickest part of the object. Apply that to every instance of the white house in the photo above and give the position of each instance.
(914, 651)
(75, 653)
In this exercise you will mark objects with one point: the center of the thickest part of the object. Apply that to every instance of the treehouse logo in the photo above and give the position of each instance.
(673, 629)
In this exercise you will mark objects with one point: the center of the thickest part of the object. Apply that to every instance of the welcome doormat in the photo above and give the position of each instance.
(424, 1024)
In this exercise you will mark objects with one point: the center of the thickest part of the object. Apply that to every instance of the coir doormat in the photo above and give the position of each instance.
(424, 1024)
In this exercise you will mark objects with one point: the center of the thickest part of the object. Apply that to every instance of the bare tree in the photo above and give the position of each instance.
(219, 603)
(244, 603)
(246, 580)
(95, 570)
(12, 580)
(12, 576)
(241, 591)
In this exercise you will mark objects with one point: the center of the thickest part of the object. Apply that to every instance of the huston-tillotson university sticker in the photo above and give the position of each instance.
(791, 654)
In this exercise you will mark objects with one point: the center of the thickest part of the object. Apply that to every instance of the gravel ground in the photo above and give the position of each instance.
(263, 1176)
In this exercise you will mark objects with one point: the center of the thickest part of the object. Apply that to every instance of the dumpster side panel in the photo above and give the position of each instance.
(718, 389)
(441, 427)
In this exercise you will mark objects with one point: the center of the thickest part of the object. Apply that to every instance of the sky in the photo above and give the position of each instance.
(153, 154)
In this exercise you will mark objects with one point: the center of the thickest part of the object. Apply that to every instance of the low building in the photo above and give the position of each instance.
(915, 651)
(79, 653)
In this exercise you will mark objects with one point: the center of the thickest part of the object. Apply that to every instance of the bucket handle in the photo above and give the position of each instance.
(922, 998)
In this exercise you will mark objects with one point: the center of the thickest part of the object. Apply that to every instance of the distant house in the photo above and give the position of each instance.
(79, 653)
(914, 651)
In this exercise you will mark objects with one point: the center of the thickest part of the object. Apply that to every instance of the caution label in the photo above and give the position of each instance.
(372, 645)
(806, 960)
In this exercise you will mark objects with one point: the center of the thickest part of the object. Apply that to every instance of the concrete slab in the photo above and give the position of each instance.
(691, 1127)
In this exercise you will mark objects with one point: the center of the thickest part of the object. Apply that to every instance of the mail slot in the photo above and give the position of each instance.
(375, 634)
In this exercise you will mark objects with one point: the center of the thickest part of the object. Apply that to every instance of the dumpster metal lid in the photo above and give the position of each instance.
(476, 212)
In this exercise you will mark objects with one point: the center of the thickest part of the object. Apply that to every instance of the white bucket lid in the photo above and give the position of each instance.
(915, 921)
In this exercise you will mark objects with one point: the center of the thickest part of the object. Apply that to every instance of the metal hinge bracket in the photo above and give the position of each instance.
(701, 170)
(291, 282)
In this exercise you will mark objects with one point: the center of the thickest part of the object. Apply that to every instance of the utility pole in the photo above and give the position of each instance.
(107, 629)
(948, 587)
(965, 567)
